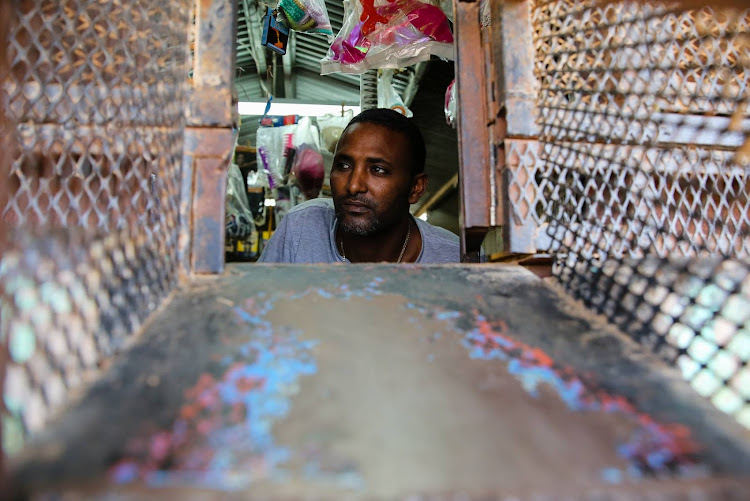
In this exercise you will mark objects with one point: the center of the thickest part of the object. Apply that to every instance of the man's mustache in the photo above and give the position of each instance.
(358, 199)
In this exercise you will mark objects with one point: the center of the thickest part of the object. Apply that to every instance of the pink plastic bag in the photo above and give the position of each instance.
(388, 34)
(308, 170)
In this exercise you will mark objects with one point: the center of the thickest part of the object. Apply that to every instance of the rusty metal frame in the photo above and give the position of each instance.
(205, 164)
(209, 138)
(497, 127)
(516, 88)
(476, 193)
(6, 13)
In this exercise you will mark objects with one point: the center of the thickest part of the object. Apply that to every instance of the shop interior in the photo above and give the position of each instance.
(285, 97)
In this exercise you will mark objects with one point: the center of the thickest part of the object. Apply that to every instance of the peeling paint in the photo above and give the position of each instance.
(223, 437)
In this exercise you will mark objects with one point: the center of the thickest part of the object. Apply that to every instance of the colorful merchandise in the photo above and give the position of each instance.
(310, 16)
(388, 34)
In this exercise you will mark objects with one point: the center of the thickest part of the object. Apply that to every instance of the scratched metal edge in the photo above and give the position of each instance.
(717, 488)
(411, 282)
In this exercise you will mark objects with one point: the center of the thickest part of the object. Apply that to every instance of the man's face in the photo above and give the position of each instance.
(371, 179)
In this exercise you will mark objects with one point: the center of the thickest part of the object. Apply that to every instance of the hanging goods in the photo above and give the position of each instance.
(275, 34)
(274, 145)
(308, 170)
(238, 217)
(388, 96)
(388, 34)
(450, 104)
(308, 16)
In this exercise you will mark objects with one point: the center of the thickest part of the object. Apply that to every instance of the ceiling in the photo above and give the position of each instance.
(296, 76)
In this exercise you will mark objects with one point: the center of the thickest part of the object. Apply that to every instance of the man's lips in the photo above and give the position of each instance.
(353, 206)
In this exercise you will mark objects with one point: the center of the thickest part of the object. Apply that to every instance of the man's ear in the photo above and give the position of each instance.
(418, 187)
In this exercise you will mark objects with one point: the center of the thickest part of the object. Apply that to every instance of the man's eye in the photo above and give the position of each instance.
(340, 166)
(376, 169)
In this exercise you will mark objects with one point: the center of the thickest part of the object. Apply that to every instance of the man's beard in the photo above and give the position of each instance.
(361, 226)
(376, 219)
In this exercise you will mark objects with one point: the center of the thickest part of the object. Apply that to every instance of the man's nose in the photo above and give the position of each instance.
(357, 182)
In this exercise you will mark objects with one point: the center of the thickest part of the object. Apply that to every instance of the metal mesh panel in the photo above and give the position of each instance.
(644, 177)
(97, 93)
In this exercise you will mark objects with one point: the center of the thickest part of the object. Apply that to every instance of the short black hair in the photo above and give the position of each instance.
(394, 120)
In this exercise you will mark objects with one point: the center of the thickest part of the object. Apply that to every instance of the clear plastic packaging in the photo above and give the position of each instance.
(450, 104)
(388, 34)
(309, 16)
(239, 221)
(331, 128)
(276, 147)
(447, 6)
(388, 96)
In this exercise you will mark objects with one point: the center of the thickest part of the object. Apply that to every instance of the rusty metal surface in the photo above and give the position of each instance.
(208, 152)
(473, 134)
(209, 138)
(517, 90)
(517, 85)
(6, 20)
(211, 102)
(368, 382)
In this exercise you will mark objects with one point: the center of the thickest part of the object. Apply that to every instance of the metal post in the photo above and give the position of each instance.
(208, 138)
(516, 89)
(475, 186)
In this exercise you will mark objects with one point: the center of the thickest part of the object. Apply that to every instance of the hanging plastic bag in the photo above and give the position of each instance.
(308, 170)
(388, 96)
(309, 16)
(239, 218)
(447, 7)
(450, 104)
(275, 146)
(388, 34)
(270, 152)
(331, 127)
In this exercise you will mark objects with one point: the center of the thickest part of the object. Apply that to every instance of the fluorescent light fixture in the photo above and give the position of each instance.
(270, 202)
(423, 216)
(256, 108)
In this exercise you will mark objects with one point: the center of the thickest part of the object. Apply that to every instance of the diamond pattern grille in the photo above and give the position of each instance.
(96, 92)
(644, 177)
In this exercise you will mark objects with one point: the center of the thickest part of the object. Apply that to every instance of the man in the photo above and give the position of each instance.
(377, 173)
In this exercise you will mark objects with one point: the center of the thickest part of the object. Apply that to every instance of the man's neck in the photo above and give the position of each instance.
(383, 246)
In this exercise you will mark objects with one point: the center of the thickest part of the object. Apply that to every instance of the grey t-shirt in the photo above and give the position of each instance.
(307, 234)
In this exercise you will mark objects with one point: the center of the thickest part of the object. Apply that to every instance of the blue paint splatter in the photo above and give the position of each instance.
(261, 378)
(223, 438)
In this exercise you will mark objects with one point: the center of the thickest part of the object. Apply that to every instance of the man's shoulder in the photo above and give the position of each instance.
(439, 234)
(321, 207)
(301, 236)
(439, 244)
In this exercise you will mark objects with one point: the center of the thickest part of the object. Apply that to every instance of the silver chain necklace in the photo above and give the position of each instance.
(400, 256)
